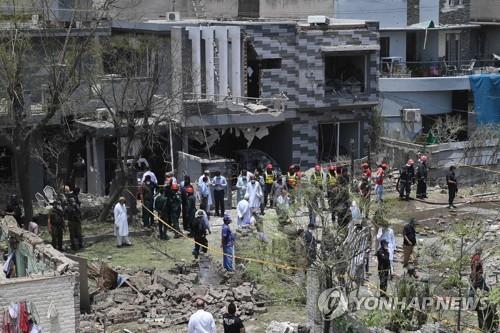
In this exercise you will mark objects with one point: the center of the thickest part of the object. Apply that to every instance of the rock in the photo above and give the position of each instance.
(284, 327)
(192, 277)
(154, 289)
(167, 280)
(243, 293)
(140, 280)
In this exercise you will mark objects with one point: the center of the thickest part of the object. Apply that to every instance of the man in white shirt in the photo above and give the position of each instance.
(152, 175)
(201, 321)
(219, 183)
(121, 223)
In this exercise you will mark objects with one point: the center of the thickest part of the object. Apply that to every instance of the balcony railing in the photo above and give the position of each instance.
(396, 69)
(264, 104)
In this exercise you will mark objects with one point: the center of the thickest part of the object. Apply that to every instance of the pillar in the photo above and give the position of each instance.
(221, 35)
(95, 159)
(177, 78)
(194, 35)
(208, 36)
(235, 37)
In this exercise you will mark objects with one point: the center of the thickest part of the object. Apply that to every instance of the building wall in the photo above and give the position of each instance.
(294, 8)
(491, 38)
(61, 291)
(397, 47)
(485, 10)
(390, 13)
(454, 14)
(301, 77)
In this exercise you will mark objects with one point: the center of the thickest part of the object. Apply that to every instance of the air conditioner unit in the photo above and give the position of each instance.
(318, 19)
(412, 115)
(173, 16)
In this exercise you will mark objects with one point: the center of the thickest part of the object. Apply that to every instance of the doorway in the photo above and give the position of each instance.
(334, 141)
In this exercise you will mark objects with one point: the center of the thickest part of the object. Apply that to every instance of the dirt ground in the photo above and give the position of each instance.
(150, 252)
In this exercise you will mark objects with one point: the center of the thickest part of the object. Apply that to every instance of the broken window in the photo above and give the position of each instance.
(345, 74)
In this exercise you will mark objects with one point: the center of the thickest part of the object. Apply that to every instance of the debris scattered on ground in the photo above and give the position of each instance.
(157, 299)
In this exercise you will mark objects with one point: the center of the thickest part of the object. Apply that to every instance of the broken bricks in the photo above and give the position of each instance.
(162, 299)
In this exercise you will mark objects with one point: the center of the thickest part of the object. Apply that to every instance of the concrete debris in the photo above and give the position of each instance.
(285, 327)
(157, 300)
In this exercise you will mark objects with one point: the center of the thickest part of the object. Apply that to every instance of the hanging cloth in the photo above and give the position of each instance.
(23, 320)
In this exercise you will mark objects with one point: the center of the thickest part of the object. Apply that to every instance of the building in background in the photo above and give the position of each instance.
(428, 48)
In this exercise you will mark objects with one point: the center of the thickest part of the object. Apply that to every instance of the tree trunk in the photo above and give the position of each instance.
(119, 185)
(23, 174)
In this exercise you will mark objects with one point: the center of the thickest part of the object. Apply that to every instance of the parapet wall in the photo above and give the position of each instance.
(46, 276)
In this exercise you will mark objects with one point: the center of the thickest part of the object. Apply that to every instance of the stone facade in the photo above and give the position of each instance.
(413, 12)
(457, 14)
(302, 78)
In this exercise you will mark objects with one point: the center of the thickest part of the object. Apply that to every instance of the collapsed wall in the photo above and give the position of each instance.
(44, 277)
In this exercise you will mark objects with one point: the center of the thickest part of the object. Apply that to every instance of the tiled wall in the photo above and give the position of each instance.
(301, 77)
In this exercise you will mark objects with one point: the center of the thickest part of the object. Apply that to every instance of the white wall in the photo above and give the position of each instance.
(59, 290)
(390, 13)
(429, 11)
(295, 8)
(397, 43)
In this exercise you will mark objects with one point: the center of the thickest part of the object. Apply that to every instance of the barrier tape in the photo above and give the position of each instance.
(258, 261)
(369, 284)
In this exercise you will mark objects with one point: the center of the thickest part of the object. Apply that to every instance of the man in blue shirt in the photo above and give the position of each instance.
(227, 243)
(219, 183)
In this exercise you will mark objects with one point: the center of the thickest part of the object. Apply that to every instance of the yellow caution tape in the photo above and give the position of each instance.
(259, 261)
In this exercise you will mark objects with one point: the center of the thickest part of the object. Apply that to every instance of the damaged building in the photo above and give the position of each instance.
(40, 277)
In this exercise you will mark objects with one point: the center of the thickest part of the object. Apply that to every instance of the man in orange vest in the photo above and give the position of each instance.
(269, 179)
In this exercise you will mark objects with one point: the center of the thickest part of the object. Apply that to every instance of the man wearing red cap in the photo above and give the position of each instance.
(269, 179)
(422, 177)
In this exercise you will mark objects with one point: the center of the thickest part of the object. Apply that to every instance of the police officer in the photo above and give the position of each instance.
(56, 224)
(74, 217)
(174, 203)
(406, 178)
(422, 177)
(161, 206)
(269, 179)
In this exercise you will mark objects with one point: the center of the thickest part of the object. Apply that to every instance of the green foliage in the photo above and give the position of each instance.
(376, 318)
(376, 128)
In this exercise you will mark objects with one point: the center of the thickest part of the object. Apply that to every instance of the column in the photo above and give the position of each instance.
(235, 36)
(194, 35)
(208, 36)
(177, 78)
(221, 35)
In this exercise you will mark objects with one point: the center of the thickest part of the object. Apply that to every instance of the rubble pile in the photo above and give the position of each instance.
(91, 205)
(158, 300)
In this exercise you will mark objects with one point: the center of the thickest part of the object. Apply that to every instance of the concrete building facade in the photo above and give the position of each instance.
(272, 60)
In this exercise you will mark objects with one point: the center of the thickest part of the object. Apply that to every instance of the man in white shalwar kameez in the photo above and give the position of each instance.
(121, 223)
(244, 212)
(209, 184)
(255, 194)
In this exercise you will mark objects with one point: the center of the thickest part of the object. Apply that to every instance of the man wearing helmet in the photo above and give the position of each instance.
(406, 179)
(269, 179)
(422, 177)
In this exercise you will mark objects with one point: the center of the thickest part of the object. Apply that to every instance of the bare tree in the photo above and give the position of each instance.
(448, 129)
(131, 87)
(47, 53)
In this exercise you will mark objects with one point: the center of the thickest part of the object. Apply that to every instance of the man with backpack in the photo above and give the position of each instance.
(199, 229)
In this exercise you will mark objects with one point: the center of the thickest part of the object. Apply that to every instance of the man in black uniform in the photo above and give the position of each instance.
(384, 266)
(406, 179)
(422, 177)
(232, 323)
(451, 181)
(56, 225)
(147, 191)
